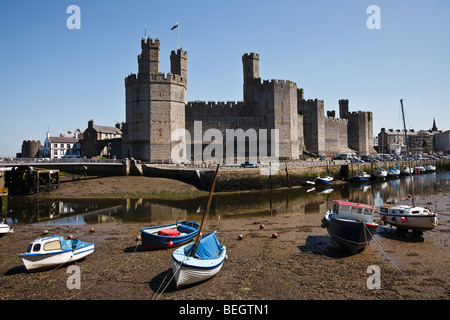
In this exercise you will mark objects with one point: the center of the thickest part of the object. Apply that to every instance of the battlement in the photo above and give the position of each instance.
(250, 55)
(201, 109)
(336, 120)
(268, 84)
(179, 53)
(214, 104)
(158, 77)
(149, 42)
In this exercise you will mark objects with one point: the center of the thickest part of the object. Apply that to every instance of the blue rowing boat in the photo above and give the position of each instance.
(169, 235)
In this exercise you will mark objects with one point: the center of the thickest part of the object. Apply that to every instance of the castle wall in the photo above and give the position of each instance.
(335, 135)
(313, 125)
(360, 132)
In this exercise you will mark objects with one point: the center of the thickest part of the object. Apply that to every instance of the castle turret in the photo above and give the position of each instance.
(149, 58)
(251, 76)
(343, 108)
(178, 63)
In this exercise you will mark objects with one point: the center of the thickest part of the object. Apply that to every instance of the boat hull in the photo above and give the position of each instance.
(413, 222)
(359, 179)
(323, 181)
(43, 261)
(189, 270)
(350, 233)
(4, 229)
(151, 240)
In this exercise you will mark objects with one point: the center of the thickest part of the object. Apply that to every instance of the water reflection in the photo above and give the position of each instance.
(224, 206)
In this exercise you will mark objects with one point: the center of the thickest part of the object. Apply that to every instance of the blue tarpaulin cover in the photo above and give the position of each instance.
(69, 244)
(208, 247)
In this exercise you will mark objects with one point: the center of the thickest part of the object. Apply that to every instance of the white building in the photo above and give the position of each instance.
(64, 146)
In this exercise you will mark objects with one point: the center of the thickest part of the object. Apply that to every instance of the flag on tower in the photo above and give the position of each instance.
(175, 26)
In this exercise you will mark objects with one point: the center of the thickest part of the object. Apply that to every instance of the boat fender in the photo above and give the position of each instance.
(393, 219)
(383, 218)
(170, 243)
(403, 219)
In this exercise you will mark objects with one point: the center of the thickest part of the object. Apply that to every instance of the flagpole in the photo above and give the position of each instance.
(178, 35)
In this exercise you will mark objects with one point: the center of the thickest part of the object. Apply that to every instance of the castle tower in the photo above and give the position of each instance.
(343, 108)
(251, 76)
(178, 63)
(155, 105)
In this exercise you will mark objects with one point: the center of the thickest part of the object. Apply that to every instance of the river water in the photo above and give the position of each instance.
(302, 200)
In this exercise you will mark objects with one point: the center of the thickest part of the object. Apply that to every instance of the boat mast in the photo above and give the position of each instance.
(194, 248)
(407, 154)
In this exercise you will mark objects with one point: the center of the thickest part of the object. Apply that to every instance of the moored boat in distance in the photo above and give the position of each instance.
(393, 172)
(54, 251)
(350, 224)
(323, 180)
(406, 170)
(419, 169)
(4, 228)
(360, 177)
(430, 168)
(380, 173)
(169, 235)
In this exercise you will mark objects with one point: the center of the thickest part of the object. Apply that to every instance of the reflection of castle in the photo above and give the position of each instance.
(156, 106)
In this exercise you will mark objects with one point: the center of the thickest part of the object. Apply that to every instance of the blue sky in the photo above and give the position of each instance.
(57, 78)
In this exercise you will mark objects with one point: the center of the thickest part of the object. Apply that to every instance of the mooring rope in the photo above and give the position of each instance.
(396, 265)
(174, 273)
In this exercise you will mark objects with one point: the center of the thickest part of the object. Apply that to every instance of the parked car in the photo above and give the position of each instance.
(249, 164)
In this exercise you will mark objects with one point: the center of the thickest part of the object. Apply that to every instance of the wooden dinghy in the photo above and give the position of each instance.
(169, 235)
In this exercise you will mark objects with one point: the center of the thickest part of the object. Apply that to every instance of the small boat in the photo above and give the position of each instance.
(406, 170)
(4, 228)
(204, 264)
(393, 172)
(323, 180)
(406, 217)
(53, 251)
(430, 168)
(380, 173)
(360, 177)
(169, 235)
(419, 169)
(202, 259)
(350, 224)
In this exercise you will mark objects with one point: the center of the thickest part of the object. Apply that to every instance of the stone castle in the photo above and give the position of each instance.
(156, 106)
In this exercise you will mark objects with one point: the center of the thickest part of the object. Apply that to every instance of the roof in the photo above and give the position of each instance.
(354, 204)
(106, 129)
(63, 140)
